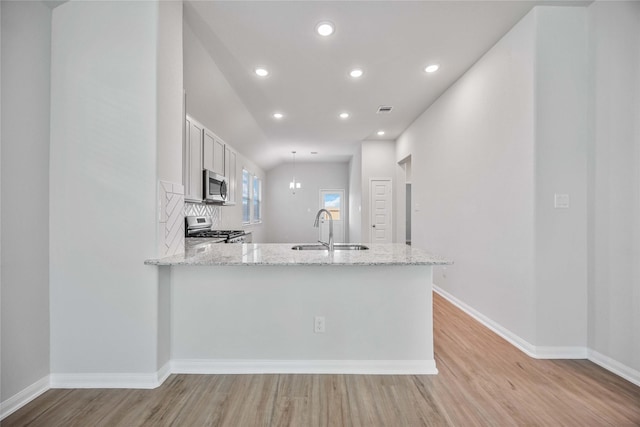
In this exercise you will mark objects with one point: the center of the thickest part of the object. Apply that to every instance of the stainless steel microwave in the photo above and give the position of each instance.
(214, 187)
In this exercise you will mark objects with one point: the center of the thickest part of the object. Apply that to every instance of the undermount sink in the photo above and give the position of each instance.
(337, 247)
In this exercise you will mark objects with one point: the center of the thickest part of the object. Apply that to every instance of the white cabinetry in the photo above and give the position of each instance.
(192, 172)
(204, 150)
(213, 152)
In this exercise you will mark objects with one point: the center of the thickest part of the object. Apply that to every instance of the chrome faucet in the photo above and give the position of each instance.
(316, 224)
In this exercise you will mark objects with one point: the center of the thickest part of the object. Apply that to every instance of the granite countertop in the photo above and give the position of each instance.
(204, 252)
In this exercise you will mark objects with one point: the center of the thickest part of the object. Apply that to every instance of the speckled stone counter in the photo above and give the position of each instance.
(204, 252)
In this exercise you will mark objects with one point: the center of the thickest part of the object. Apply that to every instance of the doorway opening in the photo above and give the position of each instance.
(405, 169)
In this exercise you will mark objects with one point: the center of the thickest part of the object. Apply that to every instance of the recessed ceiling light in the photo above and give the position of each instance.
(432, 68)
(325, 28)
(380, 132)
(262, 72)
(356, 72)
(344, 115)
(278, 115)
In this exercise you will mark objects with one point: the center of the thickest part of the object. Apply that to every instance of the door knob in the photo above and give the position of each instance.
(374, 226)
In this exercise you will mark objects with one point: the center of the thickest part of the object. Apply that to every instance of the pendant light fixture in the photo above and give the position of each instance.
(294, 185)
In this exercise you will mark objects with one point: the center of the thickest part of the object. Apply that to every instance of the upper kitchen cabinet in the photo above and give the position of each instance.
(204, 150)
(192, 173)
(213, 150)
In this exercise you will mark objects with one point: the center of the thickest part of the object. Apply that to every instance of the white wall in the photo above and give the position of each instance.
(1, 139)
(473, 182)
(561, 130)
(552, 108)
(378, 161)
(614, 183)
(170, 91)
(170, 121)
(355, 197)
(291, 217)
(104, 301)
(267, 319)
(26, 62)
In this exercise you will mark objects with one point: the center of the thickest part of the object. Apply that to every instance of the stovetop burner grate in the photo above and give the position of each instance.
(200, 226)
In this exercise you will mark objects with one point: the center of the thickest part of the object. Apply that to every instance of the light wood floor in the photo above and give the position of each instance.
(483, 381)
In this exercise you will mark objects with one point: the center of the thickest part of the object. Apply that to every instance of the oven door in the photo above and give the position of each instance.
(214, 187)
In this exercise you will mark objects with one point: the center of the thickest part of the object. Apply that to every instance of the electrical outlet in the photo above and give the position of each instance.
(319, 325)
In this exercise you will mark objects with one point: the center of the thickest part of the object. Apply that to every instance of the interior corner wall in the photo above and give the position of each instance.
(26, 64)
(402, 199)
(291, 216)
(472, 174)
(1, 139)
(614, 183)
(355, 197)
(104, 300)
(170, 91)
(561, 137)
(377, 162)
(170, 122)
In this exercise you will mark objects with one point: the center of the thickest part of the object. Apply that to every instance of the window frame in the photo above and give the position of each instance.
(246, 221)
(256, 219)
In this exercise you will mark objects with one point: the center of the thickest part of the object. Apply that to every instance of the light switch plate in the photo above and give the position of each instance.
(561, 201)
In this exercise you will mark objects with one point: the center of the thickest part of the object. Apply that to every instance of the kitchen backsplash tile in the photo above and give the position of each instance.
(171, 224)
(200, 209)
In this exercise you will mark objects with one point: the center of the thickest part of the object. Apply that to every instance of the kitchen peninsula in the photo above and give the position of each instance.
(265, 308)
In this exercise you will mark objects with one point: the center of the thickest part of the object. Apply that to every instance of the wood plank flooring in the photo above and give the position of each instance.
(483, 381)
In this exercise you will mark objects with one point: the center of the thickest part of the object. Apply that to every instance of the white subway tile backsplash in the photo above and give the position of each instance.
(173, 209)
(171, 224)
(200, 209)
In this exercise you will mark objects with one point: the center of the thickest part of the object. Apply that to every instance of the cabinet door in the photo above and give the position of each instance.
(213, 152)
(208, 144)
(230, 173)
(192, 174)
(218, 156)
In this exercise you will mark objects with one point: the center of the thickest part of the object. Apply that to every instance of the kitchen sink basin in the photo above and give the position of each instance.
(336, 247)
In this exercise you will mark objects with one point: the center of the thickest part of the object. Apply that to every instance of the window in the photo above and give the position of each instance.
(333, 203)
(246, 205)
(251, 198)
(257, 199)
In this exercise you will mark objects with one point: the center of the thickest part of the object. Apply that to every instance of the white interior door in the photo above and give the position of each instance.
(380, 209)
(333, 201)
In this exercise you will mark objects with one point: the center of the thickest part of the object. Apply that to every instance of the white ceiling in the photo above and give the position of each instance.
(392, 41)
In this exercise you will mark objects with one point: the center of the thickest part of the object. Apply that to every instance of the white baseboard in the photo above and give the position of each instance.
(200, 366)
(561, 352)
(164, 373)
(616, 367)
(537, 352)
(112, 380)
(20, 399)
(362, 367)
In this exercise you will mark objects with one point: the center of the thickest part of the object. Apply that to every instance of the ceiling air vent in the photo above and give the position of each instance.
(384, 109)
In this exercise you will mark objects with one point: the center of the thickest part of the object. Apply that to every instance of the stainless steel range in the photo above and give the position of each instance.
(200, 226)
